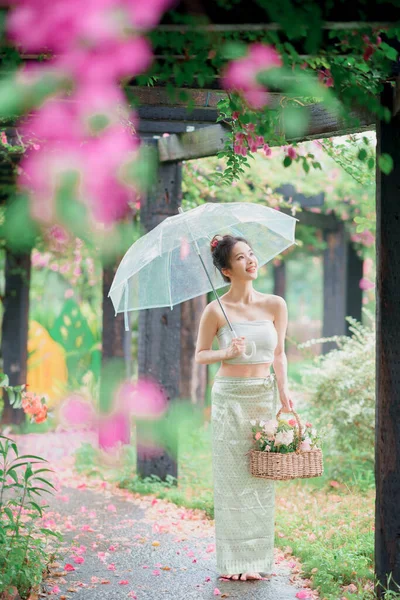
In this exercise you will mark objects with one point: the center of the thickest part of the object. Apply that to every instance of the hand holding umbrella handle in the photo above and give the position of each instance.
(253, 350)
(252, 345)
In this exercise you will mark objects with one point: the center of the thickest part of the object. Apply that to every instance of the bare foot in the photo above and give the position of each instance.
(247, 576)
(243, 576)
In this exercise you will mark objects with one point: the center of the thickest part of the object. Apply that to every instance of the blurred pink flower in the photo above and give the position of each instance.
(69, 293)
(107, 62)
(114, 429)
(241, 74)
(76, 410)
(365, 237)
(366, 284)
(144, 399)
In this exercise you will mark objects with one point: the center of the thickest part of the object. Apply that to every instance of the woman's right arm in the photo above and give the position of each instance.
(208, 326)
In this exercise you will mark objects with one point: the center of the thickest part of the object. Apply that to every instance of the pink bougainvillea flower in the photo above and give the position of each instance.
(267, 150)
(54, 121)
(241, 74)
(366, 284)
(291, 152)
(42, 173)
(304, 594)
(114, 430)
(144, 399)
(76, 411)
(107, 62)
(69, 567)
(105, 193)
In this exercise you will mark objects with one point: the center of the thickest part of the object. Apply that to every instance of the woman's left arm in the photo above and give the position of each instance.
(280, 360)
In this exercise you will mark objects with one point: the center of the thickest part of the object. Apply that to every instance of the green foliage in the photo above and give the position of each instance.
(24, 551)
(14, 392)
(343, 390)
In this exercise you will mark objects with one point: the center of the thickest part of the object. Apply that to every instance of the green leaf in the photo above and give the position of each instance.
(371, 163)
(13, 474)
(36, 507)
(385, 162)
(44, 481)
(287, 161)
(9, 513)
(362, 155)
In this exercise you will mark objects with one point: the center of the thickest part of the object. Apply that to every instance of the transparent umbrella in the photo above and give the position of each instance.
(162, 268)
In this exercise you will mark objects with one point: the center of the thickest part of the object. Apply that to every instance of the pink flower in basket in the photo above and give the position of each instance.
(305, 445)
(292, 422)
(270, 427)
(258, 435)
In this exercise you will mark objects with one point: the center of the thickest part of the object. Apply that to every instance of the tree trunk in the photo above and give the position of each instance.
(113, 367)
(193, 375)
(280, 279)
(387, 441)
(14, 337)
(159, 331)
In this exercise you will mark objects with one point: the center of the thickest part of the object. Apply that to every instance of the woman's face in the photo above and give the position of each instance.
(244, 263)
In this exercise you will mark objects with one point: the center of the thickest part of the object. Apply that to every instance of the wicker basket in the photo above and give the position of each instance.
(293, 465)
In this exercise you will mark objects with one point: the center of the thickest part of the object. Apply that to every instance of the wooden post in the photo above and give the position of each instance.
(193, 375)
(342, 293)
(387, 441)
(354, 274)
(14, 335)
(159, 339)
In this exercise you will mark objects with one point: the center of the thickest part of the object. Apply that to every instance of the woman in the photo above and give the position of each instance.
(244, 389)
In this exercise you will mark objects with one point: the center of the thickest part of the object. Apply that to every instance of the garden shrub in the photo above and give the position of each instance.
(342, 389)
(24, 547)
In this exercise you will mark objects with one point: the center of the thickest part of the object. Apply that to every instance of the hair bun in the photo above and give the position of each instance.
(215, 241)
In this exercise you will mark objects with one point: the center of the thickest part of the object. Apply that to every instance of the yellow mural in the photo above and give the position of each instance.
(47, 368)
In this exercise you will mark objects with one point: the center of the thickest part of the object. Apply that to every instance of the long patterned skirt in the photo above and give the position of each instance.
(244, 506)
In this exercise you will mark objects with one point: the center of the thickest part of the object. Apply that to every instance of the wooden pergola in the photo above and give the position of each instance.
(171, 335)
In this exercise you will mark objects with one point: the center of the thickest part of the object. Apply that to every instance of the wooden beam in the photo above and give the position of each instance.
(160, 96)
(211, 140)
(198, 144)
(222, 27)
(311, 219)
(159, 127)
(177, 113)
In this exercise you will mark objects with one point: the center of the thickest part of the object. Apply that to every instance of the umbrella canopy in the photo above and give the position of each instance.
(162, 268)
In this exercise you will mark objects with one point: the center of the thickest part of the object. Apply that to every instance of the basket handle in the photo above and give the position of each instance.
(298, 423)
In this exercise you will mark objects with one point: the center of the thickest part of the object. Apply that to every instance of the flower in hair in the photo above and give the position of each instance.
(214, 243)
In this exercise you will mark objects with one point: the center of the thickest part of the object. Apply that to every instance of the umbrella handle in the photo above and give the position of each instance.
(253, 350)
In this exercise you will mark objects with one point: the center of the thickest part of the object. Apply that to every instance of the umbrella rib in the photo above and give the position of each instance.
(169, 277)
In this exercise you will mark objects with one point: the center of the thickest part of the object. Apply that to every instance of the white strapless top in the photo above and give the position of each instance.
(262, 333)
